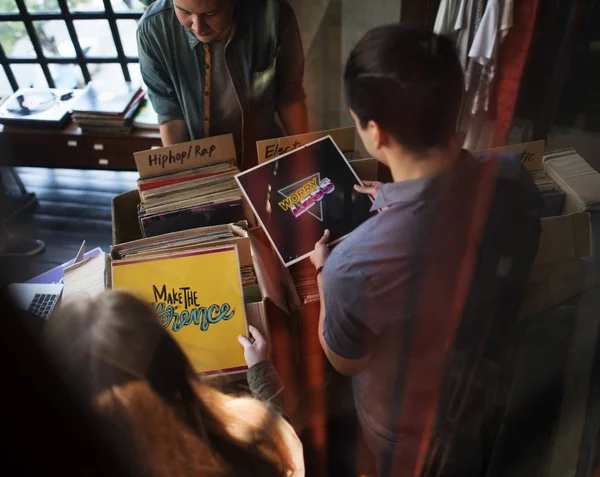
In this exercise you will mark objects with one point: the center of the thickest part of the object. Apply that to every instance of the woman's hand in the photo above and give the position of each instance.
(255, 348)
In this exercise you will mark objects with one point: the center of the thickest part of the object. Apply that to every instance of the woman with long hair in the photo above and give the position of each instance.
(156, 411)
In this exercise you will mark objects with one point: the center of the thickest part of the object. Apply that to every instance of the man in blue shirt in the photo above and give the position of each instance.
(224, 66)
(416, 303)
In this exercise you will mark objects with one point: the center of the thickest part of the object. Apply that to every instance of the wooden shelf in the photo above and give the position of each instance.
(72, 148)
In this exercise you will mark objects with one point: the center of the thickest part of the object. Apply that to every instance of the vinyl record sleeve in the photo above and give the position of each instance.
(198, 298)
(298, 195)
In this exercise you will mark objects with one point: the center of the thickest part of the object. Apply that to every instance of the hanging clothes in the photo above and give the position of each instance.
(464, 27)
(446, 17)
(495, 24)
(470, 17)
(511, 64)
(493, 27)
(506, 19)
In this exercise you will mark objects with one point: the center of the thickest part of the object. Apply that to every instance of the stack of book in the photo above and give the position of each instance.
(305, 282)
(198, 197)
(108, 107)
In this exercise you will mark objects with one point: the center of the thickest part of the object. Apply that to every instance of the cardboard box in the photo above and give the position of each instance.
(567, 236)
(126, 229)
(553, 284)
(269, 313)
(564, 238)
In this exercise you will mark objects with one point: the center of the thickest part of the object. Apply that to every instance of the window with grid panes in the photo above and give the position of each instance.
(66, 43)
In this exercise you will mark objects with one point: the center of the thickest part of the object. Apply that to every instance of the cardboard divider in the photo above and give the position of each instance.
(345, 138)
(184, 156)
(125, 225)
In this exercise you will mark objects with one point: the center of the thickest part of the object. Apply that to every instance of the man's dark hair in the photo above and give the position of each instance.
(409, 81)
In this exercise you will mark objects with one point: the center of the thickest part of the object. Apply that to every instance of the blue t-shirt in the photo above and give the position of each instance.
(391, 286)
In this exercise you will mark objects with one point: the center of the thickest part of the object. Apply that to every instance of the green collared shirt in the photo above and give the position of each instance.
(264, 59)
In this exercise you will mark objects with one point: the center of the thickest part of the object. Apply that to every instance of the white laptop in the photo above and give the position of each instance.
(39, 299)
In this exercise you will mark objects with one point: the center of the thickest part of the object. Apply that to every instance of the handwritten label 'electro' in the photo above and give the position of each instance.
(275, 150)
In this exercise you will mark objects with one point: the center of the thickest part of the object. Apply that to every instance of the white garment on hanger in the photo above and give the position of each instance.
(446, 17)
(494, 27)
(506, 20)
(463, 25)
(495, 24)
(485, 41)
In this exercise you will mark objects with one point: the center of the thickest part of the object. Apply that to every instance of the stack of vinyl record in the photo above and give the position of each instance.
(108, 107)
(553, 197)
(185, 240)
(305, 282)
(198, 197)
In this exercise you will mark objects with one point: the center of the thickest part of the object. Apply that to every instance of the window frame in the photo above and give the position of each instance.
(79, 59)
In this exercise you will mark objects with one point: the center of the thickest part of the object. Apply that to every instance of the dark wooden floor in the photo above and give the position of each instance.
(73, 206)
(555, 393)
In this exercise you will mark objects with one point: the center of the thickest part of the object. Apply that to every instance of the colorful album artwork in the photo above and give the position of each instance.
(298, 195)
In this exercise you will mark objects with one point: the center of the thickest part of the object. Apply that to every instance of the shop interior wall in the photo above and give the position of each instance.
(330, 29)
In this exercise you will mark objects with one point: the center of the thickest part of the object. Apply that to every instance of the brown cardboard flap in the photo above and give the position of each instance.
(184, 156)
(576, 177)
(564, 237)
(249, 213)
(257, 317)
(566, 280)
(271, 148)
(125, 226)
(268, 268)
(86, 279)
(531, 154)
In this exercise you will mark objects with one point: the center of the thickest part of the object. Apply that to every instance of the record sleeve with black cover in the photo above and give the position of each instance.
(102, 97)
(298, 195)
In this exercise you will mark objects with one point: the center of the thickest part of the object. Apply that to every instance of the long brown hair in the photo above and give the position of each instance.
(155, 408)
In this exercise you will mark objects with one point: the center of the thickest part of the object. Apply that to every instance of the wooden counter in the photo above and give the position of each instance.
(72, 148)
